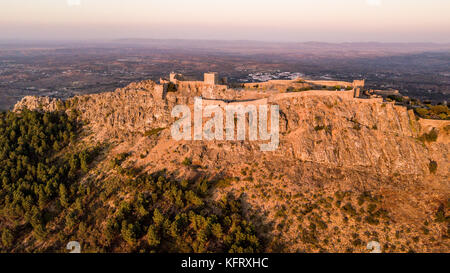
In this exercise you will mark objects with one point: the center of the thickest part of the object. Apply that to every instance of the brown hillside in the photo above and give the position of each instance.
(347, 170)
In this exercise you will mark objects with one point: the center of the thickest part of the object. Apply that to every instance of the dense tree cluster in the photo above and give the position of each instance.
(429, 111)
(171, 216)
(31, 174)
(43, 198)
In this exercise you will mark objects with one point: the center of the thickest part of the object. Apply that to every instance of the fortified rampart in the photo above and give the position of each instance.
(386, 92)
(346, 95)
(370, 100)
(342, 94)
(223, 103)
(272, 82)
(331, 83)
(298, 84)
(280, 85)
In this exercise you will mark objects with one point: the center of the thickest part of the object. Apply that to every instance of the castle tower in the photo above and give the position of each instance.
(211, 78)
(161, 91)
(357, 86)
(359, 83)
(175, 77)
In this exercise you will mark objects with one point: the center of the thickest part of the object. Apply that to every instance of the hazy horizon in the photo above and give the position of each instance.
(331, 21)
(137, 40)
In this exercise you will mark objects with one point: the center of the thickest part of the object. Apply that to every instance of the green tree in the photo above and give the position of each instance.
(129, 233)
(7, 238)
(63, 196)
(158, 218)
(153, 238)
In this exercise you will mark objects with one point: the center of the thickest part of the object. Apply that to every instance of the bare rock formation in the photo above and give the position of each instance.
(332, 129)
(329, 141)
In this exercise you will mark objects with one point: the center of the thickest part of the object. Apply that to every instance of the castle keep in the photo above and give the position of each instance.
(210, 78)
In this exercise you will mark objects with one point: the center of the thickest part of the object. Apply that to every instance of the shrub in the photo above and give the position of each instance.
(429, 137)
(440, 214)
(422, 112)
(321, 224)
(432, 166)
(371, 220)
(171, 87)
(371, 208)
(319, 128)
(187, 162)
(349, 209)
(357, 242)
(395, 98)
(153, 132)
(223, 183)
(357, 126)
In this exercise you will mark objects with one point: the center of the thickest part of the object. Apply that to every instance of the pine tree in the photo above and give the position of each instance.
(63, 196)
(153, 237)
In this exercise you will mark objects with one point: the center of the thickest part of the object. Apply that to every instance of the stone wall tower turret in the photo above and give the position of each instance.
(211, 78)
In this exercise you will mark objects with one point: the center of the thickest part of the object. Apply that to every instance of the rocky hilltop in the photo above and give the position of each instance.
(330, 144)
(355, 134)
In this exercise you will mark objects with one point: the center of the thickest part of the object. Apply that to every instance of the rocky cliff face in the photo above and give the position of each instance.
(352, 134)
(328, 143)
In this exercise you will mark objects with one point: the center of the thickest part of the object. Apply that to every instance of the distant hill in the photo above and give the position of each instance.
(253, 47)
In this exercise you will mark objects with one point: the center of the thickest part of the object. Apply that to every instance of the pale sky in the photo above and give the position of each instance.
(267, 20)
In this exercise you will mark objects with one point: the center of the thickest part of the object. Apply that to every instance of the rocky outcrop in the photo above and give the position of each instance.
(330, 143)
(38, 103)
(333, 131)
(360, 135)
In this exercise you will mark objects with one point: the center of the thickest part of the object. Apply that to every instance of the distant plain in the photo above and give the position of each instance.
(64, 69)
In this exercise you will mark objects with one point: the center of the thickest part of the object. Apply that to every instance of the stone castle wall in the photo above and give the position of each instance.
(331, 83)
(387, 92)
(280, 85)
(342, 94)
(271, 82)
(370, 100)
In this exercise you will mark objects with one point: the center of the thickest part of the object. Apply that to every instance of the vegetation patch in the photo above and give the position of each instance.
(428, 111)
(154, 132)
(37, 181)
(187, 161)
(430, 136)
(432, 166)
(171, 87)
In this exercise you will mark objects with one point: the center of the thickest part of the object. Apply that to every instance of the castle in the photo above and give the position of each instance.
(210, 79)
(213, 86)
